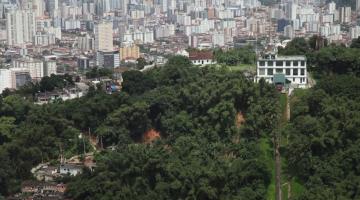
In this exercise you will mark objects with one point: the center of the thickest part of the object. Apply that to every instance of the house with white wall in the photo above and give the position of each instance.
(293, 67)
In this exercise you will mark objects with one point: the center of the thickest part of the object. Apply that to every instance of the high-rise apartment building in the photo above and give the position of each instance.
(13, 78)
(5, 79)
(20, 27)
(52, 7)
(108, 59)
(104, 36)
(332, 7)
(35, 67)
(291, 10)
(129, 51)
(345, 14)
(39, 7)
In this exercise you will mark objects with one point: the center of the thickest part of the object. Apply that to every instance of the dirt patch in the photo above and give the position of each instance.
(150, 135)
(240, 119)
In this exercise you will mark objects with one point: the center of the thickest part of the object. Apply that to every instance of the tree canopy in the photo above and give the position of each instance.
(200, 152)
(236, 56)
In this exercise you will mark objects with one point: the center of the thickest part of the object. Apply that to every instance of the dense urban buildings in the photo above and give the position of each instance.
(179, 99)
(79, 35)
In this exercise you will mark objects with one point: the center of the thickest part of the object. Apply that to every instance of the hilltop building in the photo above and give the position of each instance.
(271, 66)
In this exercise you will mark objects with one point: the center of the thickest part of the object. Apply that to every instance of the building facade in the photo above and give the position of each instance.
(104, 36)
(20, 27)
(108, 59)
(293, 67)
(5, 79)
(129, 52)
(50, 67)
(202, 57)
(44, 39)
(35, 67)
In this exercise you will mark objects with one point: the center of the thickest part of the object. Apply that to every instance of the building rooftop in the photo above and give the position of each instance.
(296, 57)
(201, 55)
(282, 57)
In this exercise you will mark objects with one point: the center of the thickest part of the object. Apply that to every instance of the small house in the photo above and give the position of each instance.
(202, 57)
(70, 169)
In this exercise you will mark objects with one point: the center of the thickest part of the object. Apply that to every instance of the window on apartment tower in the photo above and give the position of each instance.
(295, 72)
(302, 72)
(279, 63)
(302, 63)
(262, 63)
(270, 72)
(295, 63)
(288, 63)
(279, 71)
(287, 71)
(270, 63)
(261, 72)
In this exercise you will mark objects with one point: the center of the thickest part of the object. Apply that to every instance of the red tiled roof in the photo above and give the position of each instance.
(201, 55)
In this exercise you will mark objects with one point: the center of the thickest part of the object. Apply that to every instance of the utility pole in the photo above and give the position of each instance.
(83, 139)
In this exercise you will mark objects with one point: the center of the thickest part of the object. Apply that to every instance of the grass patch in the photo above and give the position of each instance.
(243, 67)
(283, 102)
(296, 189)
(268, 156)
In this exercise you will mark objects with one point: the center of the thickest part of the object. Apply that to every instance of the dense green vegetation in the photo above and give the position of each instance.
(323, 151)
(235, 56)
(55, 81)
(203, 153)
(330, 59)
(214, 132)
(98, 72)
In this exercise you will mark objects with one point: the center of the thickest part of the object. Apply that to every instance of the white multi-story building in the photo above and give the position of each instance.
(355, 32)
(71, 24)
(44, 39)
(19, 77)
(218, 39)
(39, 7)
(335, 29)
(20, 27)
(5, 79)
(292, 67)
(137, 14)
(54, 30)
(289, 31)
(104, 36)
(108, 59)
(85, 43)
(35, 67)
(164, 31)
(13, 78)
(52, 6)
(291, 10)
(345, 14)
(332, 7)
(43, 23)
(50, 67)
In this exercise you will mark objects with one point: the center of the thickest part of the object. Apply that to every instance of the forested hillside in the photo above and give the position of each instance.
(323, 136)
(205, 152)
(324, 139)
(184, 132)
(207, 122)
